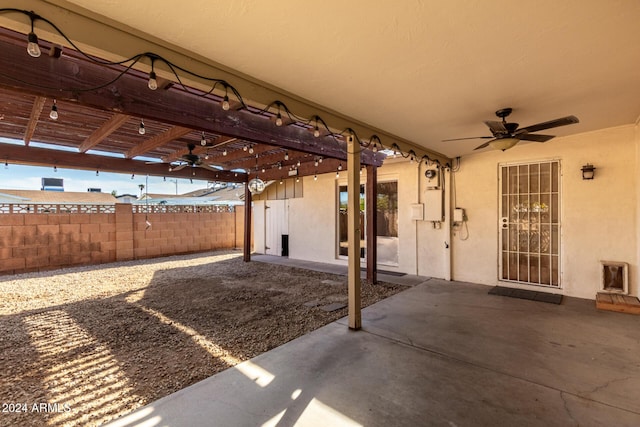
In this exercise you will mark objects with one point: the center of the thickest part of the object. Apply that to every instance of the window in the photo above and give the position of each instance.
(343, 234)
(530, 223)
(387, 223)
(386, 227)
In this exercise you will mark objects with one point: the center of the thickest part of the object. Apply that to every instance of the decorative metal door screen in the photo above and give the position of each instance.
(530, 223)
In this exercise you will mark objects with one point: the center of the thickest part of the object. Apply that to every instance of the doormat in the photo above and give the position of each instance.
(525, 294)
(390, 273)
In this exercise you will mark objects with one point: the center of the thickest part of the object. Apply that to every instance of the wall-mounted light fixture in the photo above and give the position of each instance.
(588, 171)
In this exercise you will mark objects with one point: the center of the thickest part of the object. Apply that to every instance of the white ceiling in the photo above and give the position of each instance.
(423, 70)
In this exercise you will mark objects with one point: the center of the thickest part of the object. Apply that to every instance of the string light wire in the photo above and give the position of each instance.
(129, 63)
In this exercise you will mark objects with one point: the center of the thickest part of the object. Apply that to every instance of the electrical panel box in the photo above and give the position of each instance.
(433, 205)
(458, 215)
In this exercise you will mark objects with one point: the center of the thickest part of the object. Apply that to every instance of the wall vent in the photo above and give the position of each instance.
(614, 277)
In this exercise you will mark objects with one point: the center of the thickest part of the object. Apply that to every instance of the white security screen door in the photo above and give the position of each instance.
(530, 223)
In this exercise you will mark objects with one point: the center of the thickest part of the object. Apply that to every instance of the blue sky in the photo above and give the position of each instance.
(20, 177)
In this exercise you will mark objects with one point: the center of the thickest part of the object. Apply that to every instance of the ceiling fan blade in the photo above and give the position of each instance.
(177, 168)
(497, 128)
(486, 144)
(569, 120)
(472, 137)
(536, 138)
(208, 166)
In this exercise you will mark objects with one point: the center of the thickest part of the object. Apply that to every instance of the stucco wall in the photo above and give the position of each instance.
(598, 219)
(312, 218)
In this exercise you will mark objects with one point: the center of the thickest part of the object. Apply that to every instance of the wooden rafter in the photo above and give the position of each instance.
(305, 169)
(158, 140)
(45, 157)
(239, 155)
(271, 159)
(36, 110)
(103, 131)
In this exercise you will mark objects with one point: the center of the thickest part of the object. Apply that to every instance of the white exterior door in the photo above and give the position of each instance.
(276, 225)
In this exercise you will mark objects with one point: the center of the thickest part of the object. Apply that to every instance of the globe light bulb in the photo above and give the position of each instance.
(225, 103)
(224, 152)
(33, 48)
(280, 181)
(315, 163)
(340, 167)
(316, 132)
(245, 148)
(153, 83)
(203, 140)
(286, 155)
(337, 174)
(375, 147)
(141, 129)
(53, 115)
(251, 150)
(320, 160)
(315, 177)
(279, 120)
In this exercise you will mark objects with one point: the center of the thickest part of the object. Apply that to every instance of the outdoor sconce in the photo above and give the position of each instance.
(588, 171)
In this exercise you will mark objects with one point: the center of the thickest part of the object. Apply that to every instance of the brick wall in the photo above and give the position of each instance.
(45, 241)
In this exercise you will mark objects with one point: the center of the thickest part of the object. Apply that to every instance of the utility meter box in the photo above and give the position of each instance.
(432, 174)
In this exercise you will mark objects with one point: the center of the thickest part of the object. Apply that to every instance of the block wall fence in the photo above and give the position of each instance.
(45, 241)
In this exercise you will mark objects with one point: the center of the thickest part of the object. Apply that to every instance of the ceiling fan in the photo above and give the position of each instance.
(192, 160)
(506, 135)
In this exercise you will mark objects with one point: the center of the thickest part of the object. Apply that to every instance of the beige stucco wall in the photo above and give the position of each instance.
(312, 219)
(598, 221)
(598, 216)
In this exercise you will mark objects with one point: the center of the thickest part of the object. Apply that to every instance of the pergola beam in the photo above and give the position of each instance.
(38, 105)
(103, 131)
(157, 141)
(65, 159)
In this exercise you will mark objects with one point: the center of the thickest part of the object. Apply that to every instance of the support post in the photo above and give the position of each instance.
(372, 222)
(353, 220)
(247, 224)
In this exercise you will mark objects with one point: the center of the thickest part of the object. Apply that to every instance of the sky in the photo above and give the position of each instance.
(21, 177)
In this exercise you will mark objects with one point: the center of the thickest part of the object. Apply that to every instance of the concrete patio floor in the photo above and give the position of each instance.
(440, 353)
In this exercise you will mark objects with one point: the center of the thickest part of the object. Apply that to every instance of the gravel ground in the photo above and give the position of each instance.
(85, 345)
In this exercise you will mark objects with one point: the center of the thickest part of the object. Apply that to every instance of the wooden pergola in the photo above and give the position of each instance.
(98, 130)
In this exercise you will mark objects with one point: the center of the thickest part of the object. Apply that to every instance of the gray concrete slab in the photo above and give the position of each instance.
(440, 353)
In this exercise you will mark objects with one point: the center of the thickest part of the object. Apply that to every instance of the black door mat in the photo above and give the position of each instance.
(525, 294)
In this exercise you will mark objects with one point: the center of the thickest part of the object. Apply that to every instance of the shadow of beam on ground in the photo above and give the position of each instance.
(81, 374)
